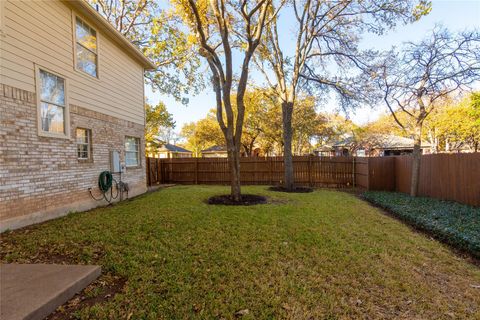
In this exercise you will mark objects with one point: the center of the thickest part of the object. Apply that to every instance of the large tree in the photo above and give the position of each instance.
(422, 75)
(223, 28)
(305, 122)
(157, 120)
(157, 33)
(202, 134)
(258, 122)
(261, 126)
(255, 120)
(458, 125)
(332, 127)
(326, 38)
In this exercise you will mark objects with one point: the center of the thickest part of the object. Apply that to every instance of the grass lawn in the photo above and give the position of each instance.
(320, 255)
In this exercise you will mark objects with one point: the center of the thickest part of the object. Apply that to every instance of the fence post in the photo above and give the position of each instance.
(310, 170)
(163, 169)
(159, 169)
(149, 182)
(353, 175)
(255, 176)
(394, 172)
(168, 168)
(368, 173)
(196, 170)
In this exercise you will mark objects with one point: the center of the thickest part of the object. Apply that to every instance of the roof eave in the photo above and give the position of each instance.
(84, 8)
(399, 147)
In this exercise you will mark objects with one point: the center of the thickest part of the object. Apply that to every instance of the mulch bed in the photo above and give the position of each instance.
(295, 190)
(247, 200)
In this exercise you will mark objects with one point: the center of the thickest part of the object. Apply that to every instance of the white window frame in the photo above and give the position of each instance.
(138, 140)
(74, 30)
(66, 111)
(88, 143)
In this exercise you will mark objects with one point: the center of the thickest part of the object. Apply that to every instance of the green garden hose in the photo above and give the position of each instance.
(105, 180)
(105, 183)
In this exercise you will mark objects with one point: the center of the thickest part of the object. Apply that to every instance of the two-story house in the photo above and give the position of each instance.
(71, 103)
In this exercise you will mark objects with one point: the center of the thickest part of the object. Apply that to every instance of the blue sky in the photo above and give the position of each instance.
(455, 15)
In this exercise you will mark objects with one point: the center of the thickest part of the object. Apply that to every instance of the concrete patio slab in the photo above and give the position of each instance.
(33, 291)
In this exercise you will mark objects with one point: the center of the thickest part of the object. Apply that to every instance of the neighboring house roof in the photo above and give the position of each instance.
(381, 141)
(395, 142)
(347, 142)
(86, 9)
(216, 149)
(174, 148)
(325, 148)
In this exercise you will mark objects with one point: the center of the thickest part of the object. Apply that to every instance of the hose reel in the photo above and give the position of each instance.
(105, 180)
(106, 183)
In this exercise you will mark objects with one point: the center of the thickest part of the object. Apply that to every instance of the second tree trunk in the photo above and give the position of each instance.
(416, 160)
(287, 112)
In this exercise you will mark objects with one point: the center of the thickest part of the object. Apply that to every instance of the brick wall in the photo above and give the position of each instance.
(41, 177)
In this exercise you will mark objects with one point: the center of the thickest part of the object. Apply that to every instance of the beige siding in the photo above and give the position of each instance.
(40, 32)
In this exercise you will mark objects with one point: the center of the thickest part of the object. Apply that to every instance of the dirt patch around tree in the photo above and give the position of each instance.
(295, 190)
(247, 200)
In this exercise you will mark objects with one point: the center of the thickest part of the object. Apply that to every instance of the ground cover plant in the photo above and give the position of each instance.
(454, 223)
(319, 255)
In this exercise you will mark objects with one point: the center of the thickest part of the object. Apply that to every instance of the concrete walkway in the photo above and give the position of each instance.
(33, 291)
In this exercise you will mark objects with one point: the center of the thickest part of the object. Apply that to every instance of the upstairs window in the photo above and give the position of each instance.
(86, 48)
(84, 144)
(52, 103)
(132, 152)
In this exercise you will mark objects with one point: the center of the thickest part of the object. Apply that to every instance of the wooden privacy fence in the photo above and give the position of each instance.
(444, 176)
(308, 171)
(453, 177)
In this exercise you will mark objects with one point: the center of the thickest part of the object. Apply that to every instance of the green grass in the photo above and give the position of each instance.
(320, 255)
(454, 223)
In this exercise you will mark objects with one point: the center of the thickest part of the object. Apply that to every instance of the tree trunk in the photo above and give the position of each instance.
(246, 149)
(234, 165)
(432, 135)
(416, 159)
(252, 143)
(287, 111)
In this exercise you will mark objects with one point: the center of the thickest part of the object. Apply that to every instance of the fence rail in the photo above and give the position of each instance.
(445, 176)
